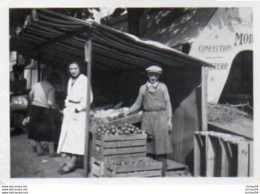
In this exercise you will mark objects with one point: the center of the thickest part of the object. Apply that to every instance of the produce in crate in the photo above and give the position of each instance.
(110, 114)
(132, 167)
(122, 129)
(137, 162)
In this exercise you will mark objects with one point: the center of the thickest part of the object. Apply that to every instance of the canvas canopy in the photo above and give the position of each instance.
(56, 39)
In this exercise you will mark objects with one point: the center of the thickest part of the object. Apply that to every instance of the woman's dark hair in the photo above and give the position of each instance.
(81, 66)
(74, 62)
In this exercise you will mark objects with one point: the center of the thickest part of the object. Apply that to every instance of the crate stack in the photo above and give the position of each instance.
(222, 155)
(122, 155)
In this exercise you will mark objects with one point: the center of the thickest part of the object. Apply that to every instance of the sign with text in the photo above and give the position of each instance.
(228, 33)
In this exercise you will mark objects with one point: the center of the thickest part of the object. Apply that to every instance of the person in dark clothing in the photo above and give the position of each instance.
(42, 125)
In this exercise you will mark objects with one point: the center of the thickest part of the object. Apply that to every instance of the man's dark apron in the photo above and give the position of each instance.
(154, 122)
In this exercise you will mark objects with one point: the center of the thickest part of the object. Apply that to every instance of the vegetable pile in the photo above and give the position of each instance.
(122, 129)
(220, 113)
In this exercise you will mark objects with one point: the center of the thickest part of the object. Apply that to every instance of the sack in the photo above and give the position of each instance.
(19, 103)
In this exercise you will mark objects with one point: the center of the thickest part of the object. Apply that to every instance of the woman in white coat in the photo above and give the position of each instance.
(72, 137)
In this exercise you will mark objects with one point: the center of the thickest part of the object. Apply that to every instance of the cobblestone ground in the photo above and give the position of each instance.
(25, 163)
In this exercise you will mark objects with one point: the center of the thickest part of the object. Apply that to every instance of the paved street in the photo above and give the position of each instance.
(25, 162)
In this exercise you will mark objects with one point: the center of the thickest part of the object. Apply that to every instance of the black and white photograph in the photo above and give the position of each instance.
(131, 92)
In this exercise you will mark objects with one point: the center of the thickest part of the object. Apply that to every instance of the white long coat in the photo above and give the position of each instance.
(72, 137)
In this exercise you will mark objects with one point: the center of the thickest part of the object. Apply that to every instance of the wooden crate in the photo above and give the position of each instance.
(133, 167)
(222, 155)
(119, 146)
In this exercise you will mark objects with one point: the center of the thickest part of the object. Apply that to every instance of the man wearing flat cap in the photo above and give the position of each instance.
(154, 98)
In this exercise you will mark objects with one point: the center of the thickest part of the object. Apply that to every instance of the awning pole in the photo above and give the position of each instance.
(204, 98)
(38, 66)
(88, 59)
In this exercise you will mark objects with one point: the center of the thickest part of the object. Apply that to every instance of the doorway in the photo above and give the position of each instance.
(239, 85)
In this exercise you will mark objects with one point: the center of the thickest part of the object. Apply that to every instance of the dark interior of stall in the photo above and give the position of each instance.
(113, 86)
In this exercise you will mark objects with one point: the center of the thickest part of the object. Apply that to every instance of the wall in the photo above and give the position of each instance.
(228, 32)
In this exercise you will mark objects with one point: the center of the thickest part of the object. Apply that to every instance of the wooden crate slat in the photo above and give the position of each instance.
(243, 164)
(251, 158)
(136, 168)
(129, 155)
(224, 160)
(178, 173)
(132, 165)
(248, 133)
(128, 150)
(97, 167)
(125, 156)
(116, 144)
(96, 170)
(210, 154)
(153, 173)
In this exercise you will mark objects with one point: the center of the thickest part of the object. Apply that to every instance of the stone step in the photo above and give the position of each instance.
(176, 169)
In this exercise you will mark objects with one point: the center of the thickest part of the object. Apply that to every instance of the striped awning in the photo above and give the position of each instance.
(55, 39)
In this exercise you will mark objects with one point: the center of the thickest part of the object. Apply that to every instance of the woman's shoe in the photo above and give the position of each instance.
(41, 153)
(61, 167)
(66, 169)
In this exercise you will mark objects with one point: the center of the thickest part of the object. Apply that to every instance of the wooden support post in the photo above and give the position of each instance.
(31, 75)
(200, 153)
(38, 67)
(88, 59)
(204, 98)
(197, 153)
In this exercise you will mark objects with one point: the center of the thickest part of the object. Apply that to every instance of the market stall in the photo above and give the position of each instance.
(115, 64)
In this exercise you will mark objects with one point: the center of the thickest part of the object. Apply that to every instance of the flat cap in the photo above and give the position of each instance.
(154, 69)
